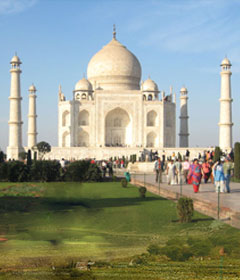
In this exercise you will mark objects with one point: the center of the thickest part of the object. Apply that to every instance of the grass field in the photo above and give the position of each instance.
(46, 224)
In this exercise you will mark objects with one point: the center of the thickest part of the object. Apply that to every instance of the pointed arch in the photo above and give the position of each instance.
(118, 128)
(151, 118)
(66, 139)
(83, 118)
(66, 118)
(83, 139)
(151, 139)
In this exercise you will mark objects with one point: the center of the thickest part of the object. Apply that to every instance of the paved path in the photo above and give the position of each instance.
(205, 201)
(206, 191)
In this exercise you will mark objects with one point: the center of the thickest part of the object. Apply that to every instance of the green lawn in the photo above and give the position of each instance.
(46, 224)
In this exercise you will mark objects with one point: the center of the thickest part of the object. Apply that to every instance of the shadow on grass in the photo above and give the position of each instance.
(27, 204)
(197, 220)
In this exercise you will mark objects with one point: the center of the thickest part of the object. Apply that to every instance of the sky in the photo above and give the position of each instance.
(178, 43)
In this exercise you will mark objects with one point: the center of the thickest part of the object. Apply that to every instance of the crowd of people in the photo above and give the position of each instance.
(196, 172)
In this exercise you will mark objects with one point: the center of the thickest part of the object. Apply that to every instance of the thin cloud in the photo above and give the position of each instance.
(190, 26)
(15, 6)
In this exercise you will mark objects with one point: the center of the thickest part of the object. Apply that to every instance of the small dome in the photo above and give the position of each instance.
(83, 85)
(183, 89)
(150, 85)
(16, 60)
(226, 62)
(32, 88)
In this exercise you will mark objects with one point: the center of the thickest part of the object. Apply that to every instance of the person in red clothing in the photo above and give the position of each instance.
(195, 175)
(206, 168)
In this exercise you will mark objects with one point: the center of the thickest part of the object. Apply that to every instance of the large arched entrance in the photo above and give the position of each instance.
(118, 128)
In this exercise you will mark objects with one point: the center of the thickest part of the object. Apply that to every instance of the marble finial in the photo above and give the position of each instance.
(114, 31)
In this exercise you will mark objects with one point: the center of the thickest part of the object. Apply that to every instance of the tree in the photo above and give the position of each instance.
(217, 154)
(185, 209)
(237, 160)
(29, 158)
(22, 155)
(43, 148)
(2, 156)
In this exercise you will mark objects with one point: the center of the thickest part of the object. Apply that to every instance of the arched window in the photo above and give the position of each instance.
(84, 96)
(144, 97)
(77, 96)
(83, 118)
(83, 139)
(150, 97)
(151, 118)
(66, 139)
(151, 140)
(66, 118)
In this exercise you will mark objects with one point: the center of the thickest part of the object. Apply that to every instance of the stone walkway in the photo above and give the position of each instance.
(206, 201)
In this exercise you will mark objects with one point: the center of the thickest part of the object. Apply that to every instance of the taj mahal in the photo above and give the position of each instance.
(113, 112)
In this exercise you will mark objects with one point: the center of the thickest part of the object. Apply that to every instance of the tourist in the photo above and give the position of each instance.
(63, 163)
(171, 173)
(185, 167)
(228, 167)
(195, 175)
(104, 168)
(206, 168)
(158, 170)
(122, 163)
(178, 165)
(211, 163)
(219, 176)
(110, 168)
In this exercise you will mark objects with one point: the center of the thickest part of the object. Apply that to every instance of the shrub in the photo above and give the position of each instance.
(82, 170)
(237, 160)
(142, 192)
(124, 183)
(93, 173)
(185, 209)
(199, 247)
(22, 155)
(16, 171)
(2, 156)
(177, 252)
(217, 154)
(45, 170)
(153, 249)
(4, 171)
(114, 178)
(77, 170)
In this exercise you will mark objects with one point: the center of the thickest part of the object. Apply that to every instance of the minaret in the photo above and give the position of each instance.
(225, 123)
(183, 135)
(32, 118)
(15, 118)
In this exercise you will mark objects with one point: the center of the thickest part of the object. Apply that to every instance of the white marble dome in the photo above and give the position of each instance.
(83, 85)
(149, 85)
(114, 67)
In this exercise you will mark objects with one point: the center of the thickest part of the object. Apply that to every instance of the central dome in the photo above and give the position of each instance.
(114, 67)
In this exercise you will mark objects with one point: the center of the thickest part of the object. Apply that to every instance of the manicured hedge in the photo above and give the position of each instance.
(45, 170)
(82, 170)
(49, 171)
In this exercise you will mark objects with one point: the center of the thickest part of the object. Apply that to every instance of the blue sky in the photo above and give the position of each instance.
(178, 43)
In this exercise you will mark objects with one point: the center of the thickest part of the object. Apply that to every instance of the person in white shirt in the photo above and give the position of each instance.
(186, 166)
